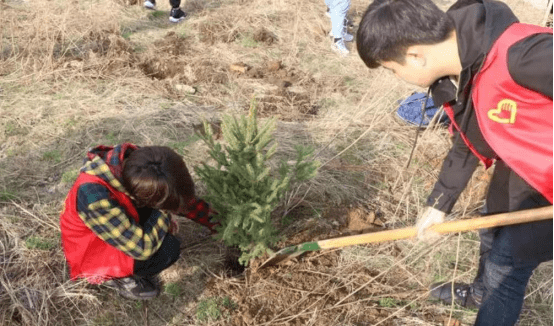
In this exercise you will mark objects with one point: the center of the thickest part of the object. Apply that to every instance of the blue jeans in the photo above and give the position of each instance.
(337, 10)
(502, 280)
(509, 254)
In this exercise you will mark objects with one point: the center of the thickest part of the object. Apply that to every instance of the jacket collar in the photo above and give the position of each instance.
(106, 162)
(478, 24)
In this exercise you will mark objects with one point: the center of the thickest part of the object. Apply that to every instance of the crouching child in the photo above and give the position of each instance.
(116, 224)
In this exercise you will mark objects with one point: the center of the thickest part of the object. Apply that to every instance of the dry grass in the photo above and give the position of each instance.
(78, 74)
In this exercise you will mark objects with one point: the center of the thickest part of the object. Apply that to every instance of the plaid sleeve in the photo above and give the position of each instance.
(107, 219)
(199, 211)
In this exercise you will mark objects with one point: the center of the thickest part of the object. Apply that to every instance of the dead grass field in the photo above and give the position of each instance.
(74, 74)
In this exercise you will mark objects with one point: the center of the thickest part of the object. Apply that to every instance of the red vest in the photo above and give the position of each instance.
(89, 256)
(515, 121)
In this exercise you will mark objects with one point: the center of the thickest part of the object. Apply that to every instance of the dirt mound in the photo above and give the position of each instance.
(172, 44)
(209, 71)
(97, 53)
(289, 105)
(218, 30)
(316, 290)
(170, 58)
(360, 221)
(161, 68)
(262, 35)
(167, 58)
(320, 288)
(106, 42)
(286, 90)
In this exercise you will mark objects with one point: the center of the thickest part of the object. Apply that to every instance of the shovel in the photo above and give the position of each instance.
(525, 216)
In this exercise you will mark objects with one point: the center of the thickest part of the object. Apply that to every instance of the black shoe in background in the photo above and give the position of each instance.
(176, 15)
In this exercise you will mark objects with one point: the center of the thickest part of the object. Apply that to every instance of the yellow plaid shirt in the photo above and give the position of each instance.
(109, 221)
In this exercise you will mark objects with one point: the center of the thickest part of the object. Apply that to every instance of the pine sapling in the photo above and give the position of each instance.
(241, 186)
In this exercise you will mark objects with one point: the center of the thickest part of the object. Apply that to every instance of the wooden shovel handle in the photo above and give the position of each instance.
(525, 216)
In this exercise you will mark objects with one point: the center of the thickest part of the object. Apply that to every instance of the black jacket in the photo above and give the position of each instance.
(478, 24)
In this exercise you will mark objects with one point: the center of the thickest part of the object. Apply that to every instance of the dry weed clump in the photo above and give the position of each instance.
(38, 40)
(92, 47)
(34, 287)
(218, 29)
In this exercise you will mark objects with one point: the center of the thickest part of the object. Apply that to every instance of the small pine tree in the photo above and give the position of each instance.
(241, 187)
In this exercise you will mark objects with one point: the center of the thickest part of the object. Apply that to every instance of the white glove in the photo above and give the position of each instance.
(430, 216)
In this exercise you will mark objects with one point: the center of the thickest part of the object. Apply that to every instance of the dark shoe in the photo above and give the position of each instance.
(463, 294)
(134, 287)
(176, 15)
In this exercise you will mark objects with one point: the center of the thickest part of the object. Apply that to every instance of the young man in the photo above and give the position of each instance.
(116, 224)
(175, 15)
(494, 78)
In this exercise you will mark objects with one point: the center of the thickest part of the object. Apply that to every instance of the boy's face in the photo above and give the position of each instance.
(414, 70)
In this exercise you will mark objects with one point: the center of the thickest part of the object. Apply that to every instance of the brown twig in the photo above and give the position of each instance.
(145, 310)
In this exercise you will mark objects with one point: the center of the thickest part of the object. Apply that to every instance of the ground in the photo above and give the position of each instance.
(74, 74)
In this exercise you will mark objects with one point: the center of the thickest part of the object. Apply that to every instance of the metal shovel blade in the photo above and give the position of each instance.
(290, 253)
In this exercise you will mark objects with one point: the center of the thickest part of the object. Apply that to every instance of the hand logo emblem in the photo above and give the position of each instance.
(505, 112)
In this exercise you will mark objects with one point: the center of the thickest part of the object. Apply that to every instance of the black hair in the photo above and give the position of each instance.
(157, 177)
(389, 27)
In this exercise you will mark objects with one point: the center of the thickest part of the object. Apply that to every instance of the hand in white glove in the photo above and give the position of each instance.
(430, 216)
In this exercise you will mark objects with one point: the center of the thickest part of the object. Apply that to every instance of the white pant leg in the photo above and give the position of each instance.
(337, 10)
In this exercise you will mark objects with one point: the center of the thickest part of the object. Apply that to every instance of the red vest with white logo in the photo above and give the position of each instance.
(89, 256)
(515, 121)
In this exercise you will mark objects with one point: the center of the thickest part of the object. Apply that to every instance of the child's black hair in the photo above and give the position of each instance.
(389, 27)
(157, 177)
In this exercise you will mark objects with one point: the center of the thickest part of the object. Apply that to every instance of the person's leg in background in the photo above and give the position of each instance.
(150, 4)
(176, 14)
(338, 10)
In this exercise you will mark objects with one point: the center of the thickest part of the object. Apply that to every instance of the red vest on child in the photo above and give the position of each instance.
(515, 121)
(89, 256)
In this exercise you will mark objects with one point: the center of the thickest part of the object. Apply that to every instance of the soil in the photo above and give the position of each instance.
(288, 92)
(218, 30)
(313, 288)
(288, 97)
(265, 36)
(361, 221)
